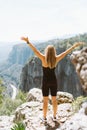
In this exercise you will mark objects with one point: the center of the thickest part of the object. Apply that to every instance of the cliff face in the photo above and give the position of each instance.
(31, 75)
(67, 78)
(79, 59)
(10, 70)
(20, 54)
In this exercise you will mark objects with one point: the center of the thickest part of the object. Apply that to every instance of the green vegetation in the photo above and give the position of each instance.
(68, 42)
(2, 89)
(18, 126)
(76, 105)
(22, 96)
(7, 105)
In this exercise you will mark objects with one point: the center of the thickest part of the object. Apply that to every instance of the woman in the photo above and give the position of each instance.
(49, 62)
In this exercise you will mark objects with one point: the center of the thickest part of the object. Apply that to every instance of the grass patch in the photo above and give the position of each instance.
(76, 105)
(8, 106)
(18, 126)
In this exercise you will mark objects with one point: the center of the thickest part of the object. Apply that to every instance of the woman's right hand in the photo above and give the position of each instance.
(25, 39)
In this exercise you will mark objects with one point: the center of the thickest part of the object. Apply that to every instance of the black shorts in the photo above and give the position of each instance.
(49, 88)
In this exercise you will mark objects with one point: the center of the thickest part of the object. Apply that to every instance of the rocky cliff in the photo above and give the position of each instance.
(32, 72)
(20, 54)
(67, 77)
(11, 68)
(79, 59)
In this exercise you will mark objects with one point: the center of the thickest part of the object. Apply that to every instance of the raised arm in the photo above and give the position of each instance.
(62, 55)
(37, 52)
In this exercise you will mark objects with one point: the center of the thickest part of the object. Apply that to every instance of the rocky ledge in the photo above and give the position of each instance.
(31, 111)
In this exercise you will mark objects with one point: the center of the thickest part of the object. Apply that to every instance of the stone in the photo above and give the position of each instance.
(29, 113)
(6, 122)
(79, 59)
(86, 111)
(35, 94)
(64, 97)
(76, 122)
(83, 109)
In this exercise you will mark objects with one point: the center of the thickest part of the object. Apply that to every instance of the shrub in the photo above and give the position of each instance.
(21, 95)
(18, 126)
(77, 103)
(2, 89)
(7, 105)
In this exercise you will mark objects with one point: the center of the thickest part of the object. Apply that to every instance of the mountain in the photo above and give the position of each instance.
(10, 69)
(23, 69)
(5, 49)
(67, 78)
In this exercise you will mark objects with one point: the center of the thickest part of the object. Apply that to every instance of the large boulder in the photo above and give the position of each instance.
(64, 97)
(79, 59)
(35, 94)
(6, 122)
(27, 111)
(77, 121)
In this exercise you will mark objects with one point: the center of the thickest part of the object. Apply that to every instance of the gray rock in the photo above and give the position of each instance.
(80, 62)
(35, 94)
(83, 109)
(6, 122)
(31, 112)
(64, 97)
(76, 122)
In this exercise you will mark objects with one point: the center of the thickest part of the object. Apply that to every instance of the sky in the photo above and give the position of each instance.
(41, 19)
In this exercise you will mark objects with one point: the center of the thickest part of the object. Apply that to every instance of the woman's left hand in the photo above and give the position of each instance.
(78, 44)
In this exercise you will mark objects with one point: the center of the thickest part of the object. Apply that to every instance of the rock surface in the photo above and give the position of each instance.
(79, 59)
(6, 122)
(30, 114)
(78, 121)
(35, 94)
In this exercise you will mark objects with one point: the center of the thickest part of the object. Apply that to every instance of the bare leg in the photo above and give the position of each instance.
(45, 106)
(54, 102)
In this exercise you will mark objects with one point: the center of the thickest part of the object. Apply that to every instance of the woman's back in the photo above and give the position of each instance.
(49, 74)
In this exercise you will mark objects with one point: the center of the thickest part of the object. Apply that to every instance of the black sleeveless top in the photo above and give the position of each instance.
(49, 74)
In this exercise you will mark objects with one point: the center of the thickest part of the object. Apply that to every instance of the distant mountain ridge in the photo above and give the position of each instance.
(5, 49)
(11, 68)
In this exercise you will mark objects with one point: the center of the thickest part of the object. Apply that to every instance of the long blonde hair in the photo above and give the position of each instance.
(50, 56)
